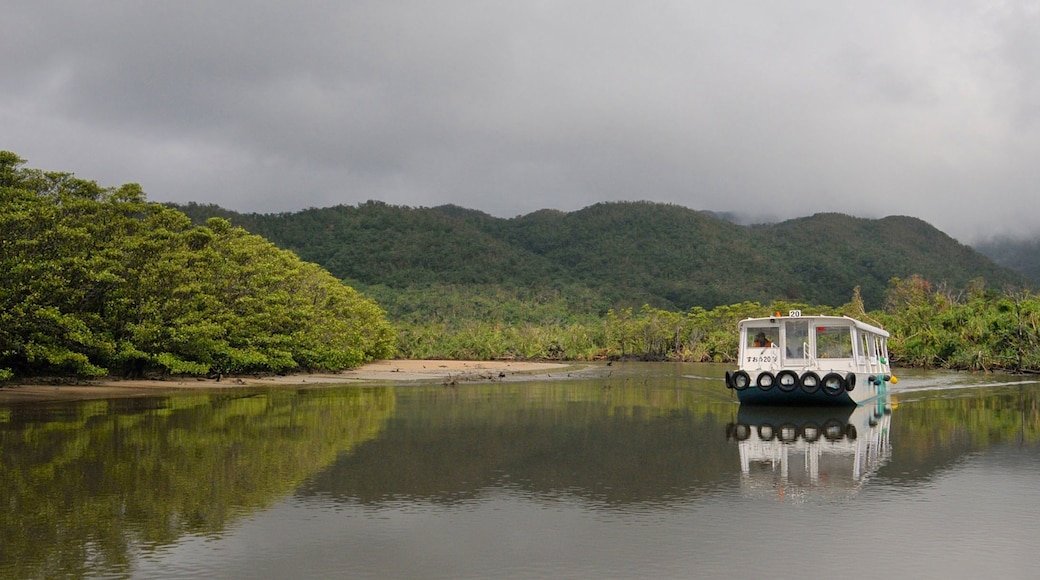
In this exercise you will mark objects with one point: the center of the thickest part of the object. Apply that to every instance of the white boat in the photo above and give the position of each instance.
(798, 455)
(810, 360)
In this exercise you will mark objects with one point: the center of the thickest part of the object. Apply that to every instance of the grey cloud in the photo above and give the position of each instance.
(773, 109)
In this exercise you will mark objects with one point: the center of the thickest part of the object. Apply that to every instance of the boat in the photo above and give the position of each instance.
(809, 454)
(810, 361)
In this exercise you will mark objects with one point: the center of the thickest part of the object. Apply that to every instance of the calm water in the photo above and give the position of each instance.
(652, 471)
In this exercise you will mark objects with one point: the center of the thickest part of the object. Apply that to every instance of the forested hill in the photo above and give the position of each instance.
(624, 253)
(1019, 255)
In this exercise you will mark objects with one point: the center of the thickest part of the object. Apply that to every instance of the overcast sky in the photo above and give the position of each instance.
(782, 109)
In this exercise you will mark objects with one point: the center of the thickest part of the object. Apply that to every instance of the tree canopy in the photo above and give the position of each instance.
(98, 280)
(622, 254)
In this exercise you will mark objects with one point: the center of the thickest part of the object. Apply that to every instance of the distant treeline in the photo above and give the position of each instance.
(977, 329)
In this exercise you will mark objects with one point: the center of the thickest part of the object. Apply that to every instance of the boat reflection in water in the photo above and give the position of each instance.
(803, 454)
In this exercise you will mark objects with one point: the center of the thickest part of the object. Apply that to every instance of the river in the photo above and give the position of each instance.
(635, 470)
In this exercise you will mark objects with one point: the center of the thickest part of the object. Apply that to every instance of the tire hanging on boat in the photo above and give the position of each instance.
(741, 380)
(787, 380)
(765, 380)
(850, 381)
(833, 384)
(810, 382)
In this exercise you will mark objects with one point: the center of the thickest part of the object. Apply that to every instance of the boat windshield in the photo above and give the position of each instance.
(761, 336)
(796, 337)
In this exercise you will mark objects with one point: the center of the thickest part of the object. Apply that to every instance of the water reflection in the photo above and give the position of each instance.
(85, 485)
(806, 454)
(632, 475)
(598, 441)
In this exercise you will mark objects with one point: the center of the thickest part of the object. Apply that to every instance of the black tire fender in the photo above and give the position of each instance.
(787, 380)
(810, 382)
(741, 380)
(765, 380)
(838, 382)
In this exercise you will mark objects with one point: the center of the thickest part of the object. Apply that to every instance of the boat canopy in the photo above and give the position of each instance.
(830, 319)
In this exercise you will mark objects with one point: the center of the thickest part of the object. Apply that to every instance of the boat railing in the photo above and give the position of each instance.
(810, 355)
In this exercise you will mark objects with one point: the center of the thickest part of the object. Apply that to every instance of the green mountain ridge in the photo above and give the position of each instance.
(621, 254)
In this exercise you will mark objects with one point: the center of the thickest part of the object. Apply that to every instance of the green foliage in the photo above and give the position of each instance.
(648, 333)
(98, 280)
(620, 255)
(655, 281)
(644, 280)
(177, 366)
(980, 330)
(102, 280)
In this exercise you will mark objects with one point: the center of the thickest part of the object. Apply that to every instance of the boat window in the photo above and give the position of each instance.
(833, 342)
(796, 338)
(861, 340)
(867, 346)
(761, 336)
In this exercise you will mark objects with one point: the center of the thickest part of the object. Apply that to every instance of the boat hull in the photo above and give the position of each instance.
(859, 388)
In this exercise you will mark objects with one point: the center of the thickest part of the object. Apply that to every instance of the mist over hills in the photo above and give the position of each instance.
(1020, 255)
(624, 253)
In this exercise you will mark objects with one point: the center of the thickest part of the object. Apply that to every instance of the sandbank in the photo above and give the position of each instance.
(388, 372)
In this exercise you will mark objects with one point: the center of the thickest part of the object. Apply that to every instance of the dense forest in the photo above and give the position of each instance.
(625, 254)
(656, 281)
(100, 281)
(97, 281)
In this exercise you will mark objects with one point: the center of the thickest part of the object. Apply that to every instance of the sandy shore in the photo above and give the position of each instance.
(381, 372)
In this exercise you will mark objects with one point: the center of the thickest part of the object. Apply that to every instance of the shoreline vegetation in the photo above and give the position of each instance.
(972, 329)
(101, 283)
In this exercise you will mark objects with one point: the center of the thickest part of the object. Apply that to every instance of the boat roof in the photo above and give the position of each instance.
(848, 320)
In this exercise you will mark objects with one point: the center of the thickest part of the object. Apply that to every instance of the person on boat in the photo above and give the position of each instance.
(761, 340)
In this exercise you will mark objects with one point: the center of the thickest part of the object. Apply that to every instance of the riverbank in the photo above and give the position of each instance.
(447, 372)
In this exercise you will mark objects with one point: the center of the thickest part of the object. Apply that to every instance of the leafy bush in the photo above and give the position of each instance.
(99, 280)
